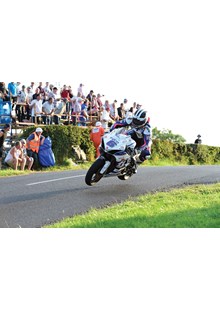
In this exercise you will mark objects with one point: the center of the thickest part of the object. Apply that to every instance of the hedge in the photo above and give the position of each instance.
(65, 136)
(190, 154)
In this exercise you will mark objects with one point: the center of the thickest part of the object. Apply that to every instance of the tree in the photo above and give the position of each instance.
(166, 134)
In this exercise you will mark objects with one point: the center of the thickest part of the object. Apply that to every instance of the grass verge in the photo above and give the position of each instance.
(190, 207)
(69, 165)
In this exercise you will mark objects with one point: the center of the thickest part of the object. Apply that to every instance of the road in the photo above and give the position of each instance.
(41, 198)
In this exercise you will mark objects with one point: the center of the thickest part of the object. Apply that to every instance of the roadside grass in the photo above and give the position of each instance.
(195, 206)
(70, 165)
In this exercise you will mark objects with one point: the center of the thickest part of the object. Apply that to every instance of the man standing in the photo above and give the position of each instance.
(96, 135)
(48, 109)
(3, 134)
(33, 143)
(12, 87)
(80, 91)
(198, 140)
(36, 106)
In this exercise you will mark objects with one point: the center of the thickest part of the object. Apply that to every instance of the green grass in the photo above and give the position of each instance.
(69, 165)
(193, 206)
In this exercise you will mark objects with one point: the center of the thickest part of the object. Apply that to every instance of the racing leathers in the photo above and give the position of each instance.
(141, 135)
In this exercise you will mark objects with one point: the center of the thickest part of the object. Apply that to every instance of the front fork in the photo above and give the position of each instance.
(105, 167)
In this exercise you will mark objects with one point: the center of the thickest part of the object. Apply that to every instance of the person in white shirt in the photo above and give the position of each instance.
(36, 109)
(105, 117)
(80, 91)
(21, 100)
(113, 111)
(48, 109)
(76, 109)
(15, 157)
(55, 95)
(18, 87)
(47, 90)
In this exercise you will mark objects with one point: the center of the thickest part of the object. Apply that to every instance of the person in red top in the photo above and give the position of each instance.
(65, 93)
(96, 135)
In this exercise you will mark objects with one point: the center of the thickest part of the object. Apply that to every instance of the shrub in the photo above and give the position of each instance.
(64, 137)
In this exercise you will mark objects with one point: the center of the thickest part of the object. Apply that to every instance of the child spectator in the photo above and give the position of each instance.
(96, 135)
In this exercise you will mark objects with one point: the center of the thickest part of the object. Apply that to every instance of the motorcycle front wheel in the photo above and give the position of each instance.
(93, 176)
(124, 177)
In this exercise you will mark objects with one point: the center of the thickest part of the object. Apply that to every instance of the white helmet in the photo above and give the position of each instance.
(140, 118)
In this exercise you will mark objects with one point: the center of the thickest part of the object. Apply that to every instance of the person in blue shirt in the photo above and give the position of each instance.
(12, 88)
(84, 115)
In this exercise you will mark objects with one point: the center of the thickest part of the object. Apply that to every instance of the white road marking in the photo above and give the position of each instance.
(55, 180)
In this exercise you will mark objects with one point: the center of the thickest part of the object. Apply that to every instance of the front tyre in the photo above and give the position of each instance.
(124, 177)
(93, 176)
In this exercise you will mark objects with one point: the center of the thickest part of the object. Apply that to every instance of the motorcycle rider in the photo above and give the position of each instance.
(140, 132)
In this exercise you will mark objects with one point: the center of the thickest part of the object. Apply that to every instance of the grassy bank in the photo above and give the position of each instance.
(194, 207)
(69, 165)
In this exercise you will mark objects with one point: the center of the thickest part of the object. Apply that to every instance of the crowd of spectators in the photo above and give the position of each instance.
(47, 104)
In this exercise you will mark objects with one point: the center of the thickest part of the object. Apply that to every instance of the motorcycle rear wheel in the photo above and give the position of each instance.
(93, 176)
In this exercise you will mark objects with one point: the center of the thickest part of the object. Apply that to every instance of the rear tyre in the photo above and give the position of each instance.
(93, 176)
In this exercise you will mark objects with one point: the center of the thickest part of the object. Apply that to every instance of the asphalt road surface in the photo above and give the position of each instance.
(38, 199)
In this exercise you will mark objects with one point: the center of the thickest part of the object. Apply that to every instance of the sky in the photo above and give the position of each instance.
(162, 54)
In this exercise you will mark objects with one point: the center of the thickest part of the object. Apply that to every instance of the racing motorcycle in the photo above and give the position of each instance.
(117, 158)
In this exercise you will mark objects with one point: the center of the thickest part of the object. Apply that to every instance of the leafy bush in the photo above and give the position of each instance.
(63, 138)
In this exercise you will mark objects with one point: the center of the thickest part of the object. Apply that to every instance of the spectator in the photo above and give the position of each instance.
(18, 87)
(107, 104)
(36, 109)
(121, 111)
(54, 94)
(29, 160)
(47, 90)
(3, 135)
(40, 86)
(96, 135)
(15, 157)
(138, 107)
(12, 88)
(198, 140)
(89, 96)
(65, 93)
(99, 101)
(113, 111)
(93, 106)
(4, 91)
(21, 109)
(80, 91)
(84, 114)
(37, 92)
(33, 143)
(48, 109)
(70, 92)
(105, 118)
(76, 109)
(29, 98)
(32, 87)
(135, 106)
